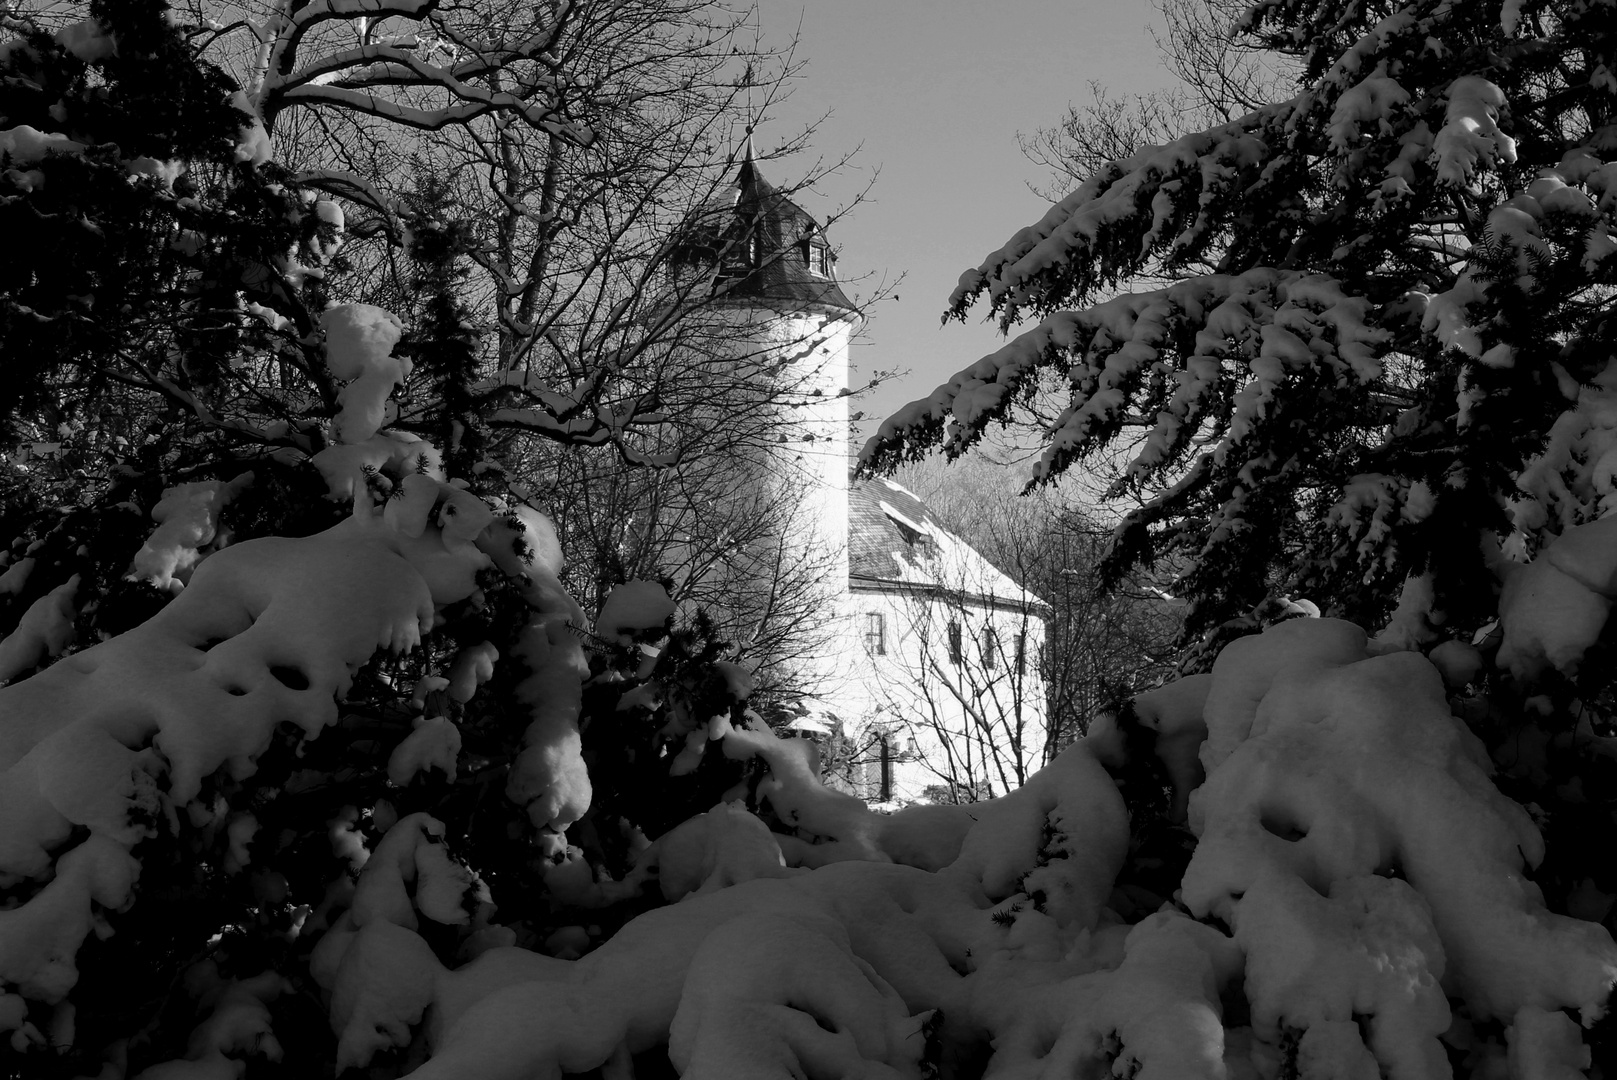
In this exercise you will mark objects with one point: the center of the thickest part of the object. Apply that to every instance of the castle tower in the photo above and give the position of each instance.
(772, 270)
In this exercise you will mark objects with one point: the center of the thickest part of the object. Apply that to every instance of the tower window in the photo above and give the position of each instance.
(990, 648)
(1021, 652)
(955, 645)
(816, 253)
(876, 633)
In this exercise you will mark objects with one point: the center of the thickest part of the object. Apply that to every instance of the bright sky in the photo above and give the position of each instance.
(935, 91)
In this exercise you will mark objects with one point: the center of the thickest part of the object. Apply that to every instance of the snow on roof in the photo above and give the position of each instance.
(893, 537)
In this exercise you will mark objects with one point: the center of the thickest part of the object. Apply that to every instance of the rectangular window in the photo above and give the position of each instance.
(876, 633)
(954, 642)
(878, 769)
(886, 769)
(1021, 652)
(990, 648)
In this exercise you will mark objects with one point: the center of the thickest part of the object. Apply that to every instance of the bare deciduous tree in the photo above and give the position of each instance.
(1220, 74)
(1099, 643)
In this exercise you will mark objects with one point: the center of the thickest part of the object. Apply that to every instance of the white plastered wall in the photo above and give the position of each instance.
(967, 723)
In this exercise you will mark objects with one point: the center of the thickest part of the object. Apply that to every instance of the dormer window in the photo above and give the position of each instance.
(915, 538)
(815, 252)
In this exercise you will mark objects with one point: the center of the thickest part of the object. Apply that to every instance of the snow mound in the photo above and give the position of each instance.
(188, 520)
(1155, 1014)
(268, 632)
(1330, 766)
(634, 610)
(359, 346)
(776, 997)
(715, 850)
(832, 971)
(1555, 607)
(45, 630)
(1470, 137)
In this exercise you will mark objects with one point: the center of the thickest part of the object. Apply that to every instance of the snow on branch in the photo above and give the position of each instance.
(1209, 350)
(325, 10)
(1161, 201)
(475, 103)
(1356, 873)
(351, 185)
(398, 62)
(1349, 839)
(428, 77)
(771, 971)
(1364, 787)
(264, 633)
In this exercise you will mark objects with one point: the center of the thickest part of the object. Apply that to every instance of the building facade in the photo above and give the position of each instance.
(948, 704)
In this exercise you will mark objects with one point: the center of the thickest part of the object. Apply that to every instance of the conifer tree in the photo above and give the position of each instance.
(181, 389)
(1356, 348)
(153, 305)
(1384, 350)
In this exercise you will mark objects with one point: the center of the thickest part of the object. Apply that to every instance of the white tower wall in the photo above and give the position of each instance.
(779, 312)
(807, 468)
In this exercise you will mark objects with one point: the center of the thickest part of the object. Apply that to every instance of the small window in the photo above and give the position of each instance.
(955, 649)
(990, 648)
(876, 633)
(878, 769)
(816, 253)
(1021, 652)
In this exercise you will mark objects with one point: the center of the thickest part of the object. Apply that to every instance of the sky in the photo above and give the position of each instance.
(932, 94)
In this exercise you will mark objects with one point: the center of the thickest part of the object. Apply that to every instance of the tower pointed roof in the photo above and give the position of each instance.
(749, 166)
(763, 247)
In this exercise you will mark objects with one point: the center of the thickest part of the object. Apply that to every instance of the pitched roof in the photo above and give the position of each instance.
(895, 540)
(764, 247)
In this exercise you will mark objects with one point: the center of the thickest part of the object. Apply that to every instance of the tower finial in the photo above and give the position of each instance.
(749, 167)
(752, 117)
(752, 75)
